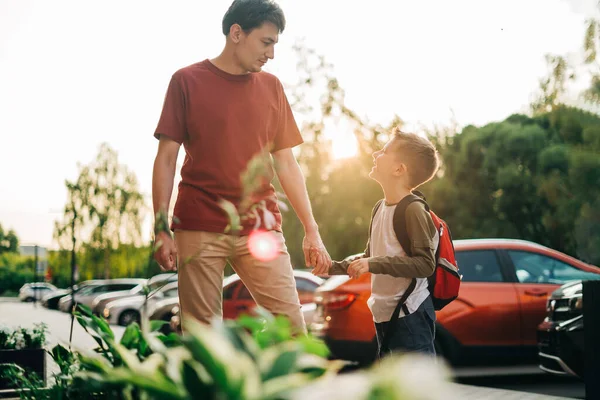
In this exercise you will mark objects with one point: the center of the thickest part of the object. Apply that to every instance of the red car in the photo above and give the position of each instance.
(505, 284)
(237, 299)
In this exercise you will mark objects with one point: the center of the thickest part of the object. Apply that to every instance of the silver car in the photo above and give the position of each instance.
(152, 284)
(35, 291)
(87, 295)
(126, 310)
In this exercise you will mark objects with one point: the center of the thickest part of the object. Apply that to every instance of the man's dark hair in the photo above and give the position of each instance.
(251, 14)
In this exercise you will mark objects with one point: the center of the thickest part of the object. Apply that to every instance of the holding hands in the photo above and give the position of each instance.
(315, 254)
(358, 267)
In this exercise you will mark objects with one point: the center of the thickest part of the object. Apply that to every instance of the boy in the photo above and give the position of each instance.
(406, 162)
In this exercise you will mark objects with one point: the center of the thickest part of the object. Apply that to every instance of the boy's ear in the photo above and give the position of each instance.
(400, 169)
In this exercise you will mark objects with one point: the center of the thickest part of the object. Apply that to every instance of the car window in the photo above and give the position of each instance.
(120, 286)
(244, 293)
(170, 293)
(229, 291)
(538, 268)
(305, 286)
(479, 266)
(96, 289)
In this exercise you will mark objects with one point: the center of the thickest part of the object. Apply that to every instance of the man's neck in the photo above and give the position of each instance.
(226, 62)
(393, 195)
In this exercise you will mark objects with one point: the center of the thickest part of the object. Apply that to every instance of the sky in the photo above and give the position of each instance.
(74, 74)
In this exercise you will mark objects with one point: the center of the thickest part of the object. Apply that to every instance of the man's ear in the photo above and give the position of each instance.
(235, 33)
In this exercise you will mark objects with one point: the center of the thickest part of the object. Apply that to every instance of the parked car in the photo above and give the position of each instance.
(126, 310)
(50, 301)
(152, 284)
(502, 300)
(560, 335)
(87, 295)
(35, 291)
(237, 299)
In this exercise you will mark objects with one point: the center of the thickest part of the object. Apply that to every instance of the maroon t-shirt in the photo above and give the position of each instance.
(223, 121)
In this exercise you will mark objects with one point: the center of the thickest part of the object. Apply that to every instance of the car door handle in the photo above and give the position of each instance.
(536, 293)
(241, 307)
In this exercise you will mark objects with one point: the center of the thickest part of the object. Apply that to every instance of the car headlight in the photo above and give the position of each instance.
(106, 313)
(550, 305)
(576, 303)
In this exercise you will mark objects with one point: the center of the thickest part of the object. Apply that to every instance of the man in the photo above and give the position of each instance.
(225, 112)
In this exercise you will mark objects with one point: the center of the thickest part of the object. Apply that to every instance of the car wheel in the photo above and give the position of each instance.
(29, 300)
(128, 317)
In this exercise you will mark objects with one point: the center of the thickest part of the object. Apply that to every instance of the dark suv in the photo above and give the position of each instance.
(560, 336)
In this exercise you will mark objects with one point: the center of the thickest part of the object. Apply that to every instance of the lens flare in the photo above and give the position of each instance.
(263, 245)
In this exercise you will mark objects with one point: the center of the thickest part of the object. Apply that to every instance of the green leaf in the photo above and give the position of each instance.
(232, 214)
(196, 380)
(60, 353)
(280, 362)
(315, 346)
(278, 387)
(233, 372)
(123, 354)
(131, 336)
(170, 340)
(157, 324)
(154, 382)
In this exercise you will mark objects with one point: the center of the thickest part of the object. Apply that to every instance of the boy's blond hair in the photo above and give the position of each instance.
(418, 154)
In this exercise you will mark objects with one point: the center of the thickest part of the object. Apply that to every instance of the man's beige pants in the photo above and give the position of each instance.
(202, 257)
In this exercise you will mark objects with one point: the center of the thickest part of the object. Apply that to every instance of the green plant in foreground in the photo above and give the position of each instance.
(254, 358)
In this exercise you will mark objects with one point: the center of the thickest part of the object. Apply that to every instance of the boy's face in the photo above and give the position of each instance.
(387, 164)
(255, 48)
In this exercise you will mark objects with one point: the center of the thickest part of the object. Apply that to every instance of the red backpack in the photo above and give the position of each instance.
(444, 284)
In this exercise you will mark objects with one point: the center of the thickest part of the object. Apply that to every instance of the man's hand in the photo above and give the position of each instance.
(315, 254)
(358, 267)
(166, 254)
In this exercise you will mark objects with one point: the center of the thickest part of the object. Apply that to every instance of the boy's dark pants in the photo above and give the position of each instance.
(414, 332)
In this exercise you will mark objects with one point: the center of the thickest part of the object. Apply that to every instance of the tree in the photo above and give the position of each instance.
(527, 178)
(342, 195)
(9, 242)
(591, 46)
(554, 86)
(107, 206)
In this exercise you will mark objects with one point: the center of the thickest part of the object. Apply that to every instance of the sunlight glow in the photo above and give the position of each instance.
(343, 147)
(263, 245)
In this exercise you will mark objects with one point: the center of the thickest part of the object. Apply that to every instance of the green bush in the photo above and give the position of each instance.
(15, 271)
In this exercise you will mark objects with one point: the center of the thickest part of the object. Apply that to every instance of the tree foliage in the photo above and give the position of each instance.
(9, 242)
(534, 178)
(104, 210)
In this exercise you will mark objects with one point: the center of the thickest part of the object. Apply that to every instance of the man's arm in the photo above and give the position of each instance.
(163, 175)
(292, 181)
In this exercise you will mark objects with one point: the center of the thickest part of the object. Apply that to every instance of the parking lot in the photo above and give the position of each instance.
(523, 378)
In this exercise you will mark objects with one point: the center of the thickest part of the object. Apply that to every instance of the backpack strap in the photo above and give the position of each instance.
(375, 209)
(400, 219)
(392, 324)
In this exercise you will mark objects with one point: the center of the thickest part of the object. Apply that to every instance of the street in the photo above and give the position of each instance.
(519, 378)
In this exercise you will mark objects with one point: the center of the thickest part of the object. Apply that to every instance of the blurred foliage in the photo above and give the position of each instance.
(15, 271)
(9, 242)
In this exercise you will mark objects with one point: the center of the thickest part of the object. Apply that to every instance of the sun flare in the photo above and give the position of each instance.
(343, 147)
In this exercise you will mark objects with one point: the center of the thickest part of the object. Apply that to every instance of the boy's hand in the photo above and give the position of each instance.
(358, 267)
